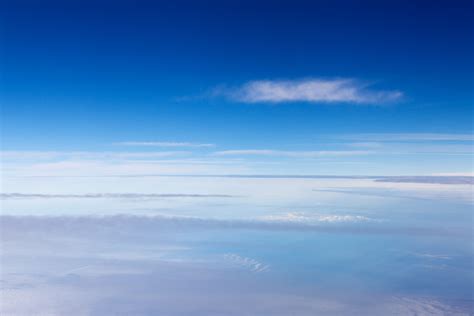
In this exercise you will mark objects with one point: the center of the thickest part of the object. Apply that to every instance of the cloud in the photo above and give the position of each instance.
(433, 256)
(14, 225)
(384, 193)
(165, 144)
(408, 137)
(109, 195)
(298, 217)
(429, 179)
(366, 145)
(293, 154)
(308, 90)
(249, 263)
(111, 163)
(130, 265)
(418, 148)
(90, 155)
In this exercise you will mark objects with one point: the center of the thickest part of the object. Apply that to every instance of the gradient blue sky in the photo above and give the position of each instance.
(81, 76)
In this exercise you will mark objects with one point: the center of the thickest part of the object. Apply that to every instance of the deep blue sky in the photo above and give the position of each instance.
(80, 75)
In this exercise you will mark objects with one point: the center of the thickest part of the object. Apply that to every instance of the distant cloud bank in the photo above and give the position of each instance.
(308, 90)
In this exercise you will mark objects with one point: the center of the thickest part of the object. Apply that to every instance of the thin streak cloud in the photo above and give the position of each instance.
(109, 195)
(309, 90)
(49, 155)
(408, 137)
(292, 154)
(298, 217)
(14, 225)
(166, 144)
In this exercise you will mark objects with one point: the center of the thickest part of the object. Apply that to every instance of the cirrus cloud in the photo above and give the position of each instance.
(165, 144)
(292, 154)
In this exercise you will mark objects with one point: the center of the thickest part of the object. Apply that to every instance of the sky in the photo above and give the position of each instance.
(326, 87)
(236, 158)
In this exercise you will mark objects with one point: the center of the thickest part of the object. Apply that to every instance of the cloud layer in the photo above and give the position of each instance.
(160, 266)
(309, 90)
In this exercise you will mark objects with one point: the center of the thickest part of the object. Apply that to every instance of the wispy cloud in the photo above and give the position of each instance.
(110, 195)
(429, 179)
(408, 137)
(433, 256)
(293, 154)
(374, 192)
(308, 90)
(246, 262)
(165, 144)
(50, 155)
(366, 145)
(298, 217)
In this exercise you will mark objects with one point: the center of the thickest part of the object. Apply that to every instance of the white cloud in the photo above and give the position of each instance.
(50, 155)
(165, 144)
(409, 137)
(110, 196)
(309, 90)
(249, 263)
(297, 217)
(80, 225)
(293, 154)
(423, 148)
(429, 179)
(433, 256)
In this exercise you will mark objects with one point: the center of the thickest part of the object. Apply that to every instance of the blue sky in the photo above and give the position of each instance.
(384, 80)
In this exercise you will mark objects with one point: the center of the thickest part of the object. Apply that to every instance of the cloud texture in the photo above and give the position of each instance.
(309, 90)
